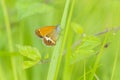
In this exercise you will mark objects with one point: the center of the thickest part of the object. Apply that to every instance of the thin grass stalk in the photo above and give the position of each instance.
(84, 69)
(2, 76)
(98, 58)
(115, 61)
(9, 36)
(58, 50)
(7, 24)
(67, 67)
(66, 74)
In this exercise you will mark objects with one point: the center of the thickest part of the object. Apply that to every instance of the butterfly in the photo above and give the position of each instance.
(48, 34)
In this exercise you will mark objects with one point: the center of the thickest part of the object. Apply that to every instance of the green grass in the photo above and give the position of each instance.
(79, 54)
(57, 54)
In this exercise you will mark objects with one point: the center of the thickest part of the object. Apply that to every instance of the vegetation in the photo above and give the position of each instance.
(87, 47)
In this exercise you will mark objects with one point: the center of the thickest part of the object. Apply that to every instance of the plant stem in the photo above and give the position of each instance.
(58, 50)
(7, 22)
(66, 73)
(2, 76)
(98, 59)
(84, 69)
(115, 60)
(9, 35)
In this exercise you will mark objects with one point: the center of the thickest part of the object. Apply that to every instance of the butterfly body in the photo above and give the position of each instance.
(49, 34)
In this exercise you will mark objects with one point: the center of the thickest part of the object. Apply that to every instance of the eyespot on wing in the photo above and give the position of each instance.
(49, 42)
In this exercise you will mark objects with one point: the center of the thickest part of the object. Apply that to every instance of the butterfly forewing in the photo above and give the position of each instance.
(49, 34)
(41, 32)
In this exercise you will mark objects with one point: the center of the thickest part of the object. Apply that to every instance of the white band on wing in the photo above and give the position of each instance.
(48, 38)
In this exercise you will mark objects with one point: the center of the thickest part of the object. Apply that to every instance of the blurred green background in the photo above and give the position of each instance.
(20, 18)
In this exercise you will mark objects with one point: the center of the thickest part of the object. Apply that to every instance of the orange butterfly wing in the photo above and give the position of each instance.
(49, 34)
(44, 31)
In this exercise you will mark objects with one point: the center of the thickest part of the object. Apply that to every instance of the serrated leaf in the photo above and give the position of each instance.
(85, 49)
(26, 9)
(90, 42)
(29, 52)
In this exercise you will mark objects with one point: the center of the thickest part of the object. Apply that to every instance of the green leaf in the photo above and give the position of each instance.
(29, 8)
(85, 49)
(77, 28)
(29, 52)
(90, 42)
